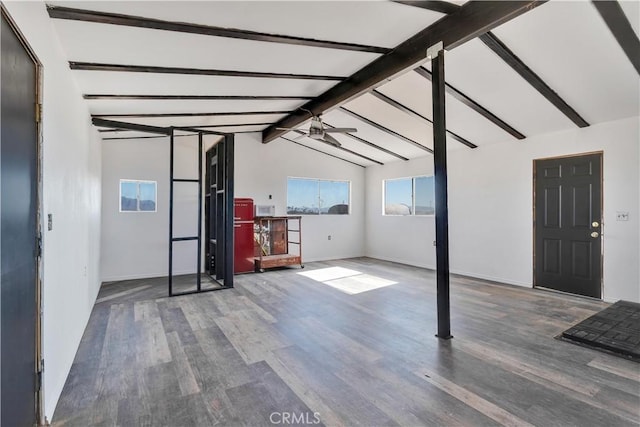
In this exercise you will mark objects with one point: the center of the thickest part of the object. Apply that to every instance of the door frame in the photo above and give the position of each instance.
(39, 368)
(602, 219)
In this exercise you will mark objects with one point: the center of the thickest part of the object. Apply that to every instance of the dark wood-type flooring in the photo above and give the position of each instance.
(281, 343)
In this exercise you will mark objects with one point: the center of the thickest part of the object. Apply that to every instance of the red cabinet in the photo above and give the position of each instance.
(243, 261)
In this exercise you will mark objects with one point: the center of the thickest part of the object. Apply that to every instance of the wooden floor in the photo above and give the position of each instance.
(281, 346)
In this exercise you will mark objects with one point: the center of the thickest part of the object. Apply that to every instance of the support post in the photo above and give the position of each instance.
(199, 264)
(229, 159)
(171, 148)
(440, 169)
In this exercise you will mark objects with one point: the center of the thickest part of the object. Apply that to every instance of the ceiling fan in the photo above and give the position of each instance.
(319, 132)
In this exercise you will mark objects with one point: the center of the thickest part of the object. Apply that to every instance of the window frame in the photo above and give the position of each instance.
(413, 196)
(137, 182)
(319, 180)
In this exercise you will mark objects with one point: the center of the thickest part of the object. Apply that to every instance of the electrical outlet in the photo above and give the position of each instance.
(50, 222)
(622, 216)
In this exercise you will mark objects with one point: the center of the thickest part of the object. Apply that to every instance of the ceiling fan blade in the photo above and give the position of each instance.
(331, 140)
(301, 133)
(340, 130)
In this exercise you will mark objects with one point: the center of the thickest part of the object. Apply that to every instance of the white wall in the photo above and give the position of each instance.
(134, 245)
(71, 192)
(490, 208)
(262, 169)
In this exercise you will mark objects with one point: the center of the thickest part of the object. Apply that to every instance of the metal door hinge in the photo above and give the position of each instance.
(38, 113)
(39, 376)
(39, 246)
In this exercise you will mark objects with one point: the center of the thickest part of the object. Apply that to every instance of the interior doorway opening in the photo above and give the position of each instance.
(211, 194)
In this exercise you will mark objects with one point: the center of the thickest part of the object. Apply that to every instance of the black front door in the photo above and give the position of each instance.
(19, 207)
(568, 217)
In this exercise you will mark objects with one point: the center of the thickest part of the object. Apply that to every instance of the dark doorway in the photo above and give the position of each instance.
(567, 224)
(19, 228)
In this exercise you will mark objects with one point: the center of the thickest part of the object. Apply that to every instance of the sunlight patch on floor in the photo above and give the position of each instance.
(348, 281)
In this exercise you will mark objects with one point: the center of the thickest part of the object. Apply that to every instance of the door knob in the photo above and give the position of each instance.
(595, 234)
(595, 224)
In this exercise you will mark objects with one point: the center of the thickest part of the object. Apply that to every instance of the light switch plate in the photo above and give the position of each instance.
(622, 216)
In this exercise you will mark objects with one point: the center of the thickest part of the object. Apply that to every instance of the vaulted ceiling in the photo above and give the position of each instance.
(245, 66)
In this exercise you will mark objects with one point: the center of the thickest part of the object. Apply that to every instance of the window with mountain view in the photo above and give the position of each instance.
(317, 197)
(137, 196)
(409, 196)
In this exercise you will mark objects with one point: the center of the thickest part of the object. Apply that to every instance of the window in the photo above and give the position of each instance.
(137, 196)
(409, 196)
(317, 197)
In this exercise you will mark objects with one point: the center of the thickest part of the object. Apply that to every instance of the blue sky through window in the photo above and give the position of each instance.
(313, 197)
(399, 197)
(138, 196)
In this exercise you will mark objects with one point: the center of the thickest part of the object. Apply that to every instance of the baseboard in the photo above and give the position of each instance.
(142, 276)
(401, 261)
(456, 271)
(492, 278)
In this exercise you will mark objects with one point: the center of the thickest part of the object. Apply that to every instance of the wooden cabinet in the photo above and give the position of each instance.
(278, 241)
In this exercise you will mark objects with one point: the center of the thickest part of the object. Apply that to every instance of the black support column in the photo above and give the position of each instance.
(442, 212)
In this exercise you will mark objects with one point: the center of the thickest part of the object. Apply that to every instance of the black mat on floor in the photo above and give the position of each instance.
(615, 329)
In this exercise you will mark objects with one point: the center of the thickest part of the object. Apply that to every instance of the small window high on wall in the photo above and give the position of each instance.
(409, 196)
(138, 196)
(317, 197)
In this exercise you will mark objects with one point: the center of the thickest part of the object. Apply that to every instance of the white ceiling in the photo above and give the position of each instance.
(372, 23)
(565, 42)
(173, 49)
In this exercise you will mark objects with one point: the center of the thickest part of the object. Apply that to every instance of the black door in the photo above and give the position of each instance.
(568, 215)
(19, 207)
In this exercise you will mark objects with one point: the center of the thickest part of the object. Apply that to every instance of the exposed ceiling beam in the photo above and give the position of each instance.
(224, 113)
(91, 66)
(473, 105)
(59, 12)
(199, 97)
(322, 152)
(510, 58)
(130, 126)
(113, 130)
(346, 150)
(622, 30)
(532, 78)
(370, 144)
(194, 130)
(233, 125)
(471, 20)
(433, 5)
(204, 126)
(385, 129)
(137, 137)
(381, 96)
